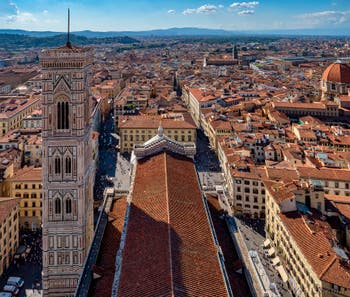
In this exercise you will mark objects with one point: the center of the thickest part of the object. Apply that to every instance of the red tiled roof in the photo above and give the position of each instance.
(169, 249)
(105, 265)
(6, 206)
(296, 105)
(27, 173)
(317, 249)
(337, 72)
(144, 122)
(324, 173)
(237, 281)
(204, 95)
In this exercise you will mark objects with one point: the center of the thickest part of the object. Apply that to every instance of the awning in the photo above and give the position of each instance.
(266, 243)
(270, 252)
(275, 261)
(282, 273)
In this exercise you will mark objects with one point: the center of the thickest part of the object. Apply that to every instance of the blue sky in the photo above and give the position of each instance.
(114, 15)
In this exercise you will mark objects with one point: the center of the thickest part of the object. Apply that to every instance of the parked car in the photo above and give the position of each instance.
(15, 281)
(5, 294)
(12, 289)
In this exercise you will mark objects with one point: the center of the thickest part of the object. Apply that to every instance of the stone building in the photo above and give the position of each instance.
(26, 184)
(9, 236)
(68, 171)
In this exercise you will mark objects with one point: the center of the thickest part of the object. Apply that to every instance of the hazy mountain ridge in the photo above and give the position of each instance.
(9, 41)
(188, 31)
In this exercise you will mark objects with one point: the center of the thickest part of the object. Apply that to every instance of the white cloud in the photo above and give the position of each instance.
(45, 11)
(207, 9)
(245, 5)
(21, 18)
(204, 9)
(244, 8)
(11, 14)
(325, 17)
(189, 11)
(246, 12)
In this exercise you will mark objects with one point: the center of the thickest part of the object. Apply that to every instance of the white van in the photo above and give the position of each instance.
(15, 281)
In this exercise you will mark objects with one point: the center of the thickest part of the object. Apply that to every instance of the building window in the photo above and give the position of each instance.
(57, 165)
(33, 195)
(69, 206)
(57, 206)
(62, 115)
(68, 165)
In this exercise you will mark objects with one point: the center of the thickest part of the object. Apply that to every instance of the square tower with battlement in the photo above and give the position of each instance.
(68, 171)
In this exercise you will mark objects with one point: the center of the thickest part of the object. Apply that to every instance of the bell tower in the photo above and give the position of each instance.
(67, 166)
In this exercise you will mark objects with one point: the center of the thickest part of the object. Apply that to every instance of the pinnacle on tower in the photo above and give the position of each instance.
(68, 44)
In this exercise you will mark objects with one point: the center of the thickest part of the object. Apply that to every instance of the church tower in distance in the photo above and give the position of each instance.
(67, 167)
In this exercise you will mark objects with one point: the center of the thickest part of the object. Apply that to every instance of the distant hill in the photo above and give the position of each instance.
(12, 41)
(94, 34)
(182, 32)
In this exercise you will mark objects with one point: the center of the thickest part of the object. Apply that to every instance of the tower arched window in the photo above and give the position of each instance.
(62, 115)
(57, 165)
(68, 206)
(57, 206)
(68, 165)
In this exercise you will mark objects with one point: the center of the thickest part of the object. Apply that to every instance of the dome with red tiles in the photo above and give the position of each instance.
(337, 72)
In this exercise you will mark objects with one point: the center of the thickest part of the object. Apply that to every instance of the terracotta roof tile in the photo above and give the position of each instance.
(337, 72)
(165, 255)
(6, 206)
(110, 244)
(316, 248)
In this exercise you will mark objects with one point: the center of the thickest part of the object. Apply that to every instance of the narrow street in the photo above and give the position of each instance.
(207, 163)
(106, 167)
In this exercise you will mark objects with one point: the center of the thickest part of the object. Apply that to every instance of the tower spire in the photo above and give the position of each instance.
(68, 44)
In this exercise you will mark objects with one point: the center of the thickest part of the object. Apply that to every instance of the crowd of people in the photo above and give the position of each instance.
(33, 241)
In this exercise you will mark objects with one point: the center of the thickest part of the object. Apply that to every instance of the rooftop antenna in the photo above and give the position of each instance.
(68, 44)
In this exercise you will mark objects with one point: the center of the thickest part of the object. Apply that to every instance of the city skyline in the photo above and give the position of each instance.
(147, 15)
